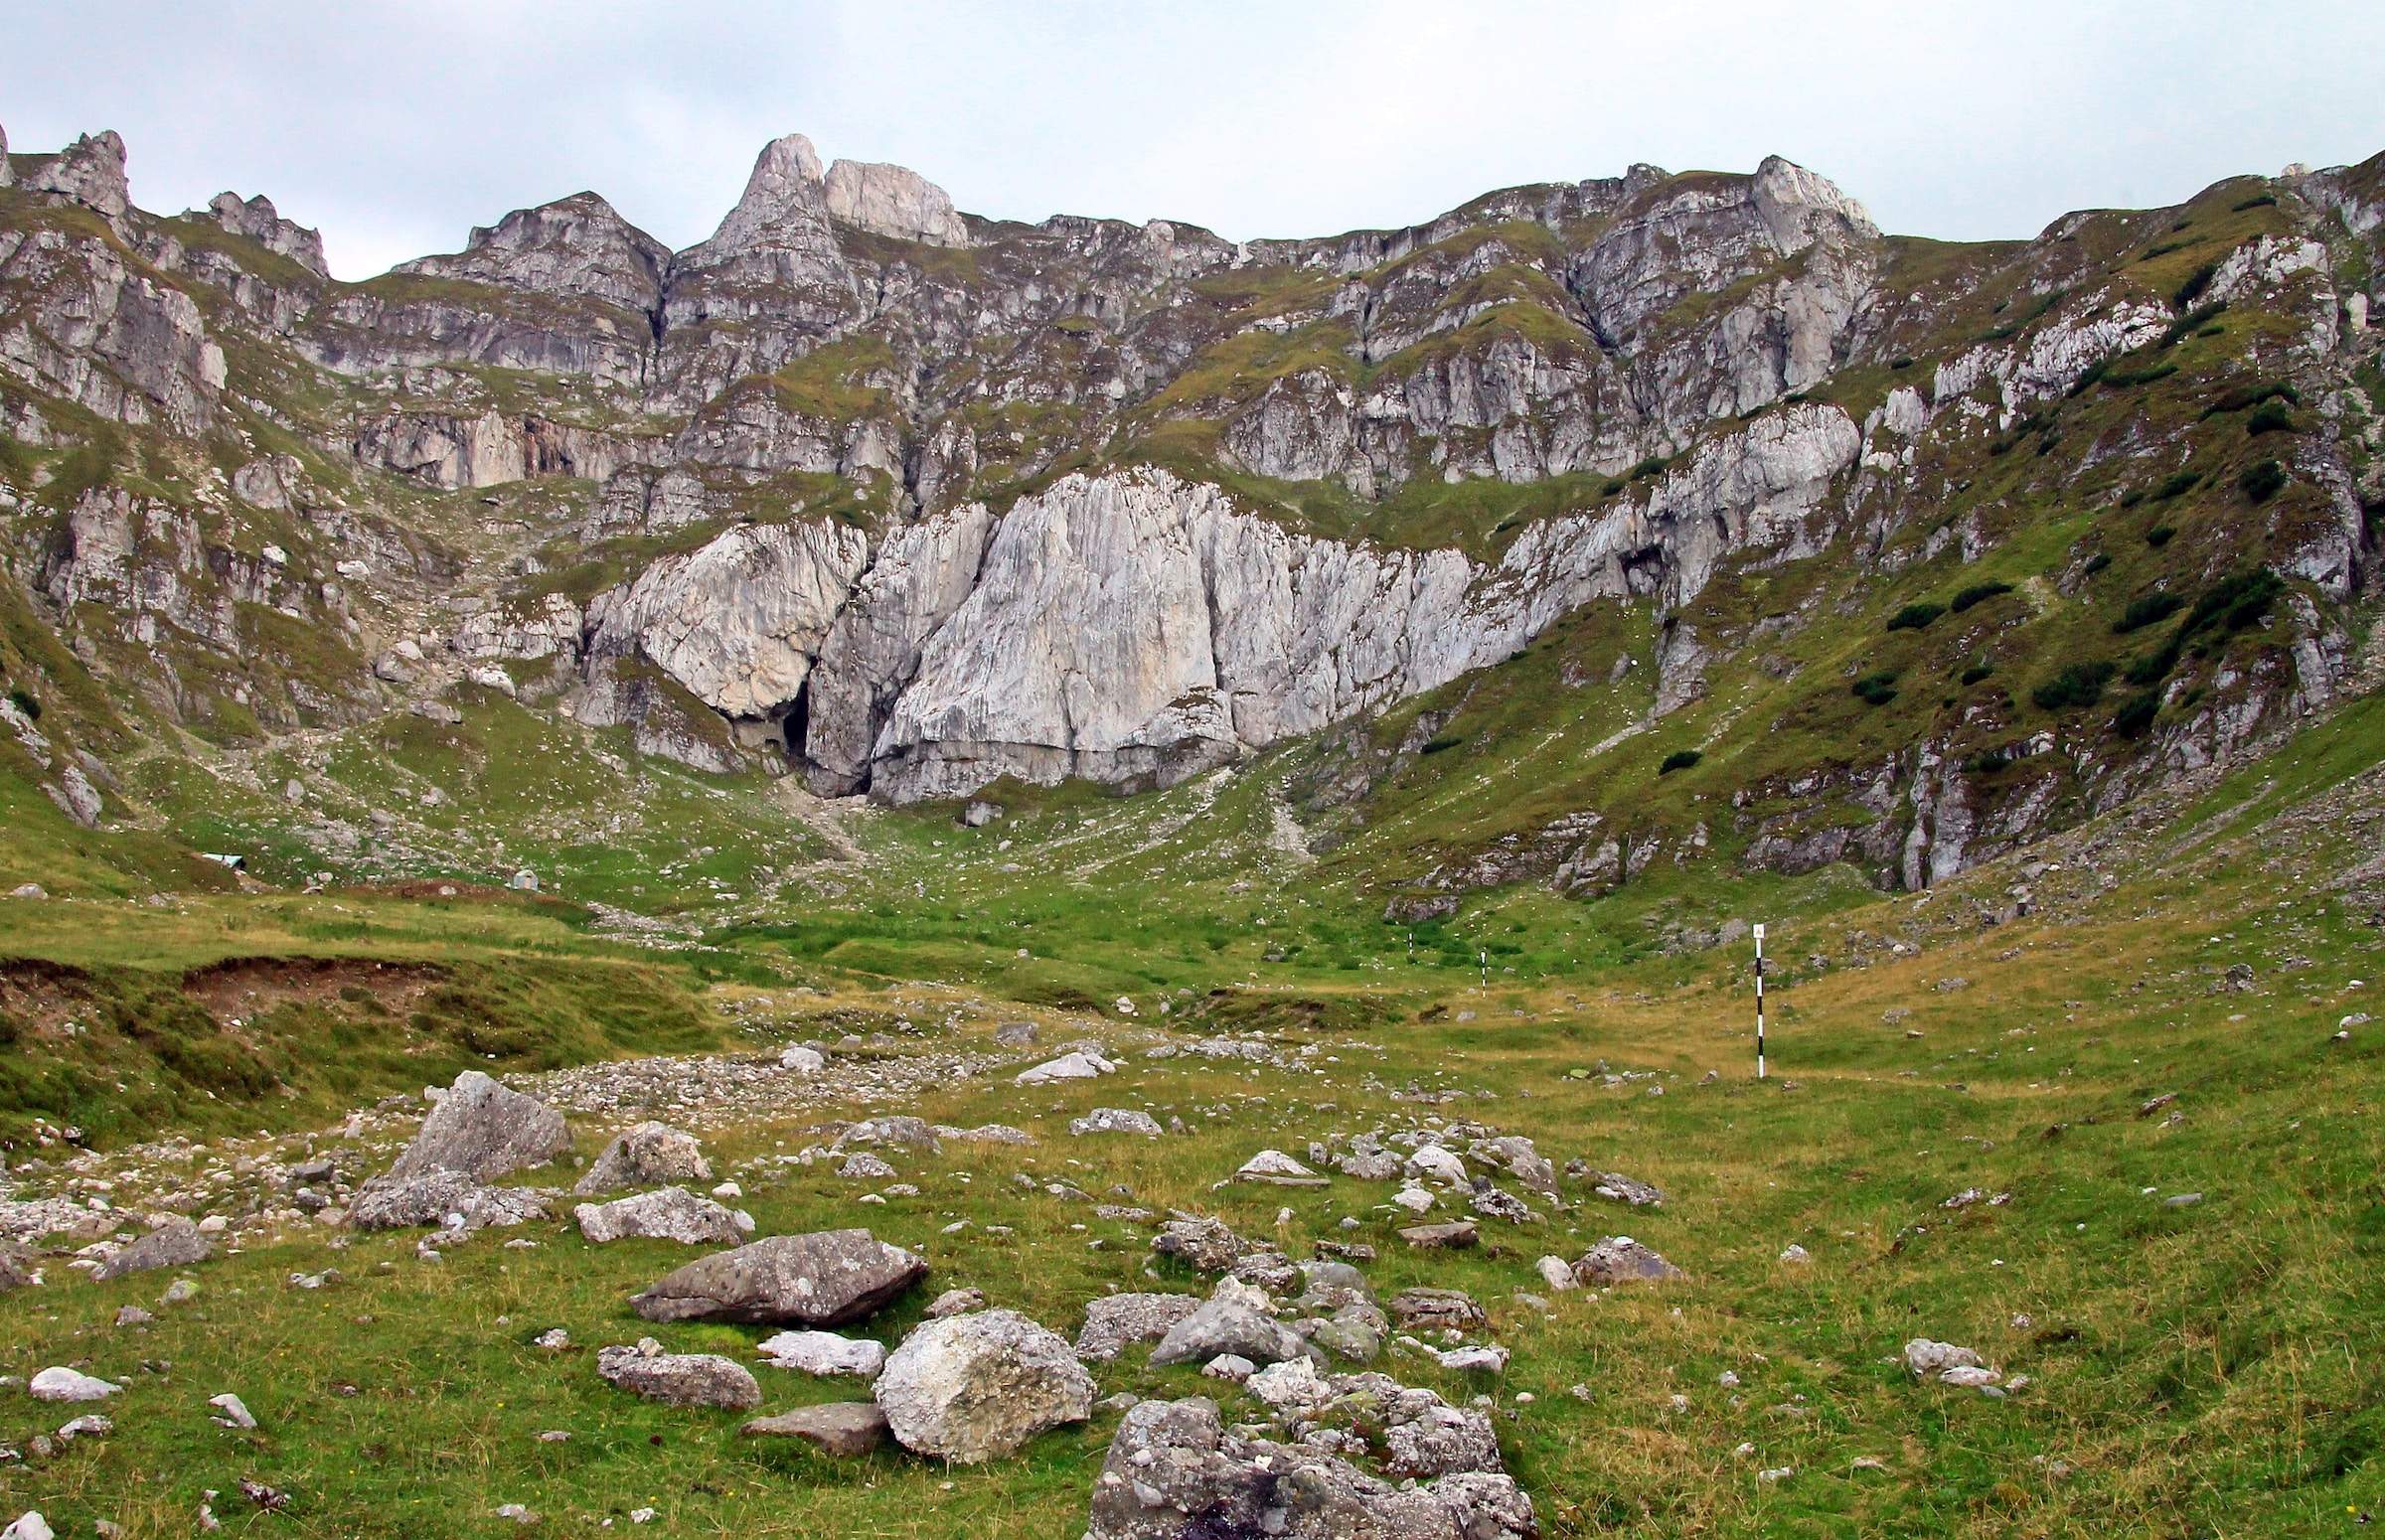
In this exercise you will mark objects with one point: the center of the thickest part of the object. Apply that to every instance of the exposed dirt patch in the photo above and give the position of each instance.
(42, 996)
(247, 985)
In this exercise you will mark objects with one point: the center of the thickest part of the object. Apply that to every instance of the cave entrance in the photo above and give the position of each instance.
(795, 723)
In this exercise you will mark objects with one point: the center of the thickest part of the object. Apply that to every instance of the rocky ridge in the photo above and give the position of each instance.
(911, 500)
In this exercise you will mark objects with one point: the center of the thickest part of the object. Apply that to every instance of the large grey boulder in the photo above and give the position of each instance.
(665, 1214)
(177, 1243)
(449, 1199)
(647, 1156)
(1116, 1321)
(968, 1388)
(828, 1277)
(681, 1379)
(483, 1130)
(1174, 1471)
(1237, 1320)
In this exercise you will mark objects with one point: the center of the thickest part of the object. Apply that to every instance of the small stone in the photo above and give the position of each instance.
(231, 1411)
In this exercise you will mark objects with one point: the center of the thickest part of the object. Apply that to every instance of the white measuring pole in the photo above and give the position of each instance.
(1759, 1003)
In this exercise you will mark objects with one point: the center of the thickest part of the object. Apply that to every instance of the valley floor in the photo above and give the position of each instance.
(2108, 1118)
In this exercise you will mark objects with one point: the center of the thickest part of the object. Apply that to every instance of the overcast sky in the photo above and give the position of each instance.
(395, 127)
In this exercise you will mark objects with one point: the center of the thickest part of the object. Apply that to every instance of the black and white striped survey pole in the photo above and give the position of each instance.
(1759, 1003)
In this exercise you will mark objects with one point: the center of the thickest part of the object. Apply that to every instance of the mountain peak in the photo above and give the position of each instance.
(257, 219)
(894, 201)
(90, 171)
(784, 189)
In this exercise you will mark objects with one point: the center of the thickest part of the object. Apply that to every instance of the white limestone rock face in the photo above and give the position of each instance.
(1137, 629)
(892, 201)
(740, 620)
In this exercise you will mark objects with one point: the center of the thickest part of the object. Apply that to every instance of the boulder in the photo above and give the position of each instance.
(1438, 1164)
(16, 1266)
(1616, 1186)
(1207, 1243)
(1237, 1321)
(803, 1061)
(680, 1379)
(903, 1132)
(665, 1214)
(1116, 1321)
(823, 1352)
(64, 1384)
(1516, 1155)
(1621, 1260)
(848, 1429)
(28, 1525)
(1369, 1165)
(484, 1130)
(646, 1156)
(449, 1199)
(971, 1387)
(177, 1243)
(1279, 1170)
(1115, 1119)
(1174, 1471)
(1926, 1359)
(1453, 1236)
(1076, 1065)
(828, 1277)
(956, 1301)
(1436, 1310)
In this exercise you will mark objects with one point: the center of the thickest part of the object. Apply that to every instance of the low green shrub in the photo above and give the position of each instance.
(1977, 593)
(2197, 281)
(1680, 759)
(2149, 609)
(2269, 418)
(2077, 684)
(2263, 481)
(1876, 688)
(2136, 714)
(1915, 617)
